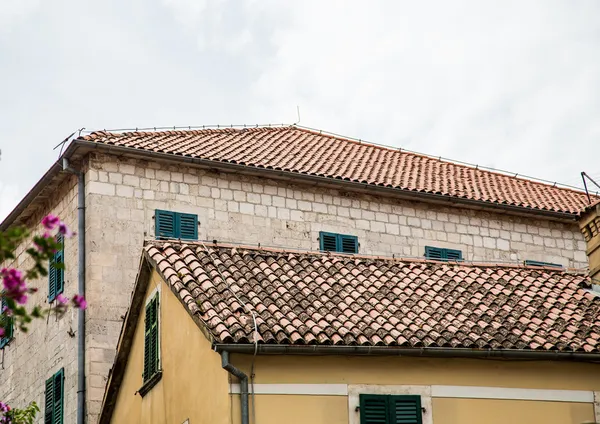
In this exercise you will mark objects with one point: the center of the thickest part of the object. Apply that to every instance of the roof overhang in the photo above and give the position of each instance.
(79, 149)
(424, 352)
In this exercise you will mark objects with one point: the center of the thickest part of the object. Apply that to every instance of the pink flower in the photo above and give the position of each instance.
(79, 302)
(64, 230)
(46, 236)
(50, 221)
(2, 333)
(14, 285)
(62, 299)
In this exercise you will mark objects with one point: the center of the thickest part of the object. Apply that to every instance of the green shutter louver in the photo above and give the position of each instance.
(374, 409)
(188, 226)
(390, 409)
(405, 410)
(333, 242)
(56, 276)
(538, 263)
(54, 398)
(151, 342)
(8, 321)
(176, 225)
(440, 254)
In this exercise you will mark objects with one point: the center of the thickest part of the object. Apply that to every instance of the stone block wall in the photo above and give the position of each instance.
(33, 357)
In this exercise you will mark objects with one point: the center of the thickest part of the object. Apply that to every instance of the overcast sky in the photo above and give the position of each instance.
(513, 85)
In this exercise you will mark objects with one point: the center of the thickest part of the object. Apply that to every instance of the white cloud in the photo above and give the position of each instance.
(508, 84)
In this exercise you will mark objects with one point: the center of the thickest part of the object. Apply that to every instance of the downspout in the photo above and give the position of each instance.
(243, 384)
(81, 290)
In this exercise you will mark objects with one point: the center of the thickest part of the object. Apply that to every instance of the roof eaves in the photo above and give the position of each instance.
(431, 352)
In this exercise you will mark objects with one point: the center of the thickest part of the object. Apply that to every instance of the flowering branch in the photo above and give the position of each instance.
(15, 291)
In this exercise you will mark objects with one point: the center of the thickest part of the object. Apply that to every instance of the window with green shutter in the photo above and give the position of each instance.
(7, 322)
(55, 393)
(168, 224)
(333, 242)
(56, 272)
(390, 409)
(538, 263)
(151, 339)
(441, 254)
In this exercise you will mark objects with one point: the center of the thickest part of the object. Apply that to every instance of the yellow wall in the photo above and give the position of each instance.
(295, 409)
(421, 371)
(488, 411)
(193, 385)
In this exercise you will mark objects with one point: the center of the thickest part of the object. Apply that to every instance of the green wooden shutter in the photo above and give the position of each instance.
(538, 263)
(439, 254)
(187, 226)
(405, 409)
(434, 253)
(59, 394)
(59, 258)
(164, 224)
(374, 409)
(151, 346)
(9, 321)
(328, 241)
(453, 255)
(348, 244)
(49, 407)
(52, 276)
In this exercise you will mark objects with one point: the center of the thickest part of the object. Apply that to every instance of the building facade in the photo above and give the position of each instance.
(130, 178)
(352, 340)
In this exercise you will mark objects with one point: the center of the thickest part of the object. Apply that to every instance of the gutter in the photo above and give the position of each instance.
(81, 289)
(243, 384)
(427, 352)
(327, 181)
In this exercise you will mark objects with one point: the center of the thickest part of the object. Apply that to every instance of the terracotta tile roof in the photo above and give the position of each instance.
(308, 152)
(330, 299)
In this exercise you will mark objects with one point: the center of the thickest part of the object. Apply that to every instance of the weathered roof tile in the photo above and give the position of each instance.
(473, 308)
(303, 151)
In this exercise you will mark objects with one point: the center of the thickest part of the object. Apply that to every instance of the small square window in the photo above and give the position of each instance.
(176, 225)
(333, 242)
(441, 254)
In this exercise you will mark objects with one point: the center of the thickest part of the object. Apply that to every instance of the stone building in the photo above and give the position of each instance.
(285, 187)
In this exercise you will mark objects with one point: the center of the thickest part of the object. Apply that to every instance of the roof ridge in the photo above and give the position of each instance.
(282, 250)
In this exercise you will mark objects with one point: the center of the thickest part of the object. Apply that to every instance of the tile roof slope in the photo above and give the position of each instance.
(334, 299)
(304, 151)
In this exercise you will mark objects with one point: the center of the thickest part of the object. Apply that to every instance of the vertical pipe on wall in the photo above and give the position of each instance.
(81, 290)
(243, 384)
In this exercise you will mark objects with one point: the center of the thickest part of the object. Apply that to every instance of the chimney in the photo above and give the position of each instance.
(589, 224)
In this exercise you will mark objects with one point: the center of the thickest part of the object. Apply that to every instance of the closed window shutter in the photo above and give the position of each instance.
(405, 410)
(187, 225)
(538, 263)
(59, 397)
(328, 241)
(453, 255)
(151, 354)
(8, 328)
(164, 224)
(59, 258)
(374, 409)
(52, 276)
(349, 244)
(49, 407)
(434, 253)
(439, 254)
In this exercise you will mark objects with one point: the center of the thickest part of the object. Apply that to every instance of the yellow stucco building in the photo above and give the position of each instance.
(222, 334)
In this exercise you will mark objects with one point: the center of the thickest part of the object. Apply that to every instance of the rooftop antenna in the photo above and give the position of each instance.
(585, 176)
(298, 112)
